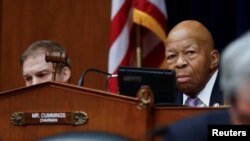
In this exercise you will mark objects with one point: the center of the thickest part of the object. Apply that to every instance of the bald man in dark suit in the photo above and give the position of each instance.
(191, 53)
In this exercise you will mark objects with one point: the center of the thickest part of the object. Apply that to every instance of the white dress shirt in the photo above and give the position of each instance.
(205, 94)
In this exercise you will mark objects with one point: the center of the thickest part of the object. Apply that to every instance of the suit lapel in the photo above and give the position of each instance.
(217, 94)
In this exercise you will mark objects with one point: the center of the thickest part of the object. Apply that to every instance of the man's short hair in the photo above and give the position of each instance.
(44, 46)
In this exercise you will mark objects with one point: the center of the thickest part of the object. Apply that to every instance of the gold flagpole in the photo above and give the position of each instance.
(138, 46)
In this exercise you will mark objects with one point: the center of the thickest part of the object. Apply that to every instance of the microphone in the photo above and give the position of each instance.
(81, 80)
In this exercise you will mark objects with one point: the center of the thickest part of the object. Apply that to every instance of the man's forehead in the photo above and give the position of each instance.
(38, 52)
(180, 44)
(178, 34)
(192, 31)
(184, 34)
(35, 57)
(186, 41)
(36, 63)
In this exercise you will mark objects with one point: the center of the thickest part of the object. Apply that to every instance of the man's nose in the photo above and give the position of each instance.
(35, 81)
(181, 62)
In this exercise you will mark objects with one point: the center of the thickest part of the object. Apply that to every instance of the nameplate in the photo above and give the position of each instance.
(49, 118)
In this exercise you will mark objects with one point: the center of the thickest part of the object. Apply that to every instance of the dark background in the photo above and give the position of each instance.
(226, 19)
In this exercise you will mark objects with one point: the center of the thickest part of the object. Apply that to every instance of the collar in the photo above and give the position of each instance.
(206, 92)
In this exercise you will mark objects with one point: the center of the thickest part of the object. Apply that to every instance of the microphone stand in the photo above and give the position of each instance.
(81, 80)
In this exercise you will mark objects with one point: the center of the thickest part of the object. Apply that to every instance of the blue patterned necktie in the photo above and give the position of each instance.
(194, 102)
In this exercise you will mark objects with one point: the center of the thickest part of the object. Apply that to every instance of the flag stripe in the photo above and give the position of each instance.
(155, 57)
(161, 5)
(113, 84)
(120, 19)
(116, 6)
(148, 21)
(149, 42)
(153, 10)
(119, 47)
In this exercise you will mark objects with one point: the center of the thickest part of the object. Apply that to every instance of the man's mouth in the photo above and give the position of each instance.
(182, 78)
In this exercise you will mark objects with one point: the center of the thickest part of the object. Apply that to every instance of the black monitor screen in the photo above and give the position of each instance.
(162, 82)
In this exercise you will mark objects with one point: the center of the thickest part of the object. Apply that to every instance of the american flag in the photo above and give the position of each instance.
(151, 15)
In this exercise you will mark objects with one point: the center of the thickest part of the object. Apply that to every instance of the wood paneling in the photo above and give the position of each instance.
(81, 26)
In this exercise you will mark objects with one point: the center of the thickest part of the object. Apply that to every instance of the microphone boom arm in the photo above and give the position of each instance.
(81, 80)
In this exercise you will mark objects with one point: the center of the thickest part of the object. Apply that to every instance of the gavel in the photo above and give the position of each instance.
(56, 58)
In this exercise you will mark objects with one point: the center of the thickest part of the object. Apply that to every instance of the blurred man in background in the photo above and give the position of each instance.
(35, 68)
(191, 53)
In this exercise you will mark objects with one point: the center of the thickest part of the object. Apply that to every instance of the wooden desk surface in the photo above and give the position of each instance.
(168, 115)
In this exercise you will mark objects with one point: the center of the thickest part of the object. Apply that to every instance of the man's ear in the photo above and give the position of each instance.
(66, 73)
(215, 58)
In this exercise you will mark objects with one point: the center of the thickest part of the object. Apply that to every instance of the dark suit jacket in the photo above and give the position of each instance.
(216, 96)
(196, 128)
